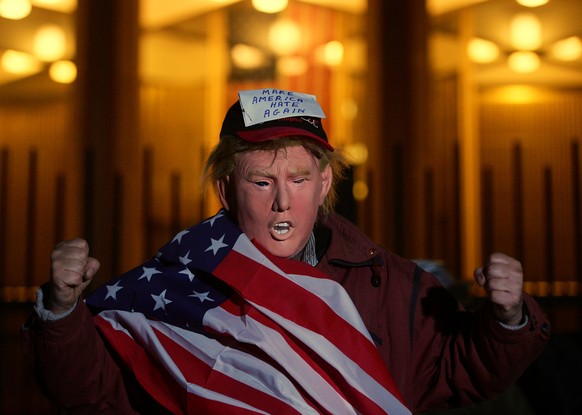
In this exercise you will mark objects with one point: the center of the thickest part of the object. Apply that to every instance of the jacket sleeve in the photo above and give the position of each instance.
(465, 357)
(72, 365)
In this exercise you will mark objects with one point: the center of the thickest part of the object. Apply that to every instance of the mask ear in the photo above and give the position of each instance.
(222, 189)
(326, 181)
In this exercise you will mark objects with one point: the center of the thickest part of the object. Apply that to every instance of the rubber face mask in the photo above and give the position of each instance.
(275, 197)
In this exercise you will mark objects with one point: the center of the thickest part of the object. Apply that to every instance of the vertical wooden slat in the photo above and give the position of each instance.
(458, 261)
(4, 160)
(147, 199)
(549, 224)
(89, 196)
(487, 202)
(399, 194)
(577, 209)
(118, 209)
(429, 204)
(175, 200)
(60, 210)
(518, 214)
(30, 236)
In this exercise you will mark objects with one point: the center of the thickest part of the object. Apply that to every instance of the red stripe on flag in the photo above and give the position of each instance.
(257, 283)
(303, 354)
(153, 378)
(146, 365)
(330, 374)
(199, 373)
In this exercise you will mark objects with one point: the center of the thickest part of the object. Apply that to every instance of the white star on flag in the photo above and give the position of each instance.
(212, 219)
(161, 300)
(189, 273)
(148, 273)
(215, 245)
(287, 349)
(112, 290)
(179, 235)
(184, 260)
(201, 296)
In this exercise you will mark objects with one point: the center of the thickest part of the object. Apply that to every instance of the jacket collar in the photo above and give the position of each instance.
(339, 243)
(348, 245)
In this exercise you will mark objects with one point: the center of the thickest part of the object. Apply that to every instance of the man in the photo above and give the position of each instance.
(296, 311)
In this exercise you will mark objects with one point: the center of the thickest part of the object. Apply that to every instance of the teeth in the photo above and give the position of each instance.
(282, 228)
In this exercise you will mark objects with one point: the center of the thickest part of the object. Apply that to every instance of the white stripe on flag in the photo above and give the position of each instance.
(137, 324)
(326, 289)
(351, 372)
(241, 366)
(250, 331)
(331, 293)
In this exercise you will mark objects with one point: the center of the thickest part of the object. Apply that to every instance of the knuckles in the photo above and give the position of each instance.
(75, 249)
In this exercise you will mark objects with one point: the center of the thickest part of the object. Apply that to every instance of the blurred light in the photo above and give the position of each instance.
(569, 49)
(360, 190)
(19, 63)
(532, 3)
(15, 9)
(520, 94)
(292, 66)
(247, 57)
(349, 109)
(63, 72)
(357, 153)
(482, 51)
(523, 62)
(50, 43)
(284, 37)
(331, 54)
(270, 6)
(525, 31)
(64, 6)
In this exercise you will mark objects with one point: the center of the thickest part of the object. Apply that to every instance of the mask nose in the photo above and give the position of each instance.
(282, 200)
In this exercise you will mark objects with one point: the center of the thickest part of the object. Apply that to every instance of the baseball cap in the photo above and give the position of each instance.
(292, 125)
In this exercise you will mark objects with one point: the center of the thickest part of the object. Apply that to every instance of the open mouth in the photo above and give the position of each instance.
(282, 228)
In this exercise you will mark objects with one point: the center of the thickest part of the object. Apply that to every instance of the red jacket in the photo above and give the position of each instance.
(438, 354)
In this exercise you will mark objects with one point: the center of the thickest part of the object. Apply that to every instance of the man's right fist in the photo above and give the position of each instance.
(72, 270)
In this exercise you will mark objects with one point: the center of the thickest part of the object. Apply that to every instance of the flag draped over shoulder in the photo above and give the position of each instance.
(213, 324)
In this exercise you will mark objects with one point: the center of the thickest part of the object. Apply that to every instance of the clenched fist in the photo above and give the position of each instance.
(502, 278)
(72, 270)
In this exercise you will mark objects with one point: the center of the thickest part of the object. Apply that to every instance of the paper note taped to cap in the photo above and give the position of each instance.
(262, 105)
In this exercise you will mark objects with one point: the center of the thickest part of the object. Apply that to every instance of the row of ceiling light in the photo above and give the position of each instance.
(50, 43)
(526, 40)
(285, 38)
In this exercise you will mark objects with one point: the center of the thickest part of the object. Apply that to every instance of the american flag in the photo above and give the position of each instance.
(214, 324)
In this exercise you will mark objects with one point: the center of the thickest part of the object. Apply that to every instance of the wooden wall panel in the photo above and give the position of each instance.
(531, 181)
(172, 139)
(440, 154)
(541, 136)
(40, 185)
